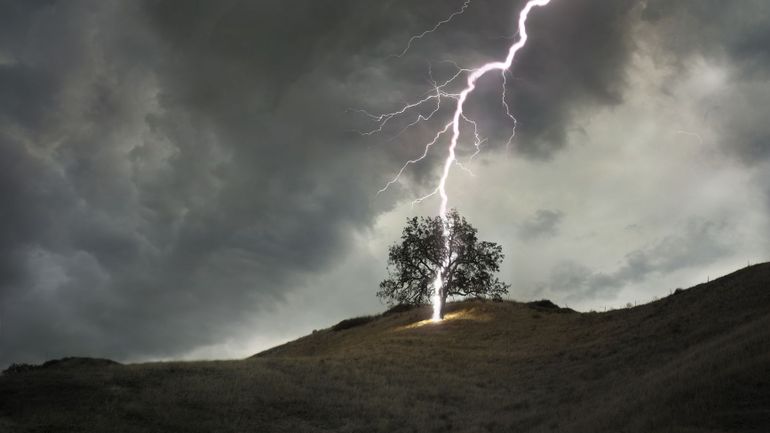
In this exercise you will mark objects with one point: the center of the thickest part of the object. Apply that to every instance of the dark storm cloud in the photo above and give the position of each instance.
(738, 31)
(169, 169)
(734, 34)
(155, 192)
(544, 223)
(698, 244)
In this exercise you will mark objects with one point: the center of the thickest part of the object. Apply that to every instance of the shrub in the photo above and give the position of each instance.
(399, 308)
(352, 323)
(544, 304)
(19, 368)
(547, 306)
(78, 361)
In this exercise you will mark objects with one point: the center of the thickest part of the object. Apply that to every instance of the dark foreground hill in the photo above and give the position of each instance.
(697, 361)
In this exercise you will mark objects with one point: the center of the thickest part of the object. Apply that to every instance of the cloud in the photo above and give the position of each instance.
(686, 31)
(543, 224)
(699, 243)
(163, 192)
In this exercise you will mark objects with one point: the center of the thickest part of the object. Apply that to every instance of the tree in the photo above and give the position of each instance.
(467, 267)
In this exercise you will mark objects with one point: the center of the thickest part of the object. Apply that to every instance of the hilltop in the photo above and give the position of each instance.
(697, 361)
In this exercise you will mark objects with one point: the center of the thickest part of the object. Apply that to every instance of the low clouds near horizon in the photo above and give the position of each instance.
(186, 180)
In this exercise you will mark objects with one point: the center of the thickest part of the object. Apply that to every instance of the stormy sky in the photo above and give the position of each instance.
(188, 179)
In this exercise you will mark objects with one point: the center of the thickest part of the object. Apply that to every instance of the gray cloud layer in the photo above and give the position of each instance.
(544, 223)
(697, 244)
(170, 169)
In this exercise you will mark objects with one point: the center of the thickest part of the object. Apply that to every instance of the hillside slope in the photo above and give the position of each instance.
(696, 361)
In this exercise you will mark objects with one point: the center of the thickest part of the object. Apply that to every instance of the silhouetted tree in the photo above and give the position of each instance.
(413, 263)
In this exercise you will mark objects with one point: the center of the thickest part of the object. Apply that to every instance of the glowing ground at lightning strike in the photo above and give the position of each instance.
(454, 125)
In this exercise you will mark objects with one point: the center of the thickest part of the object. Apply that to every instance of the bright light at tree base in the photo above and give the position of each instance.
(436, 309)
(436, 298)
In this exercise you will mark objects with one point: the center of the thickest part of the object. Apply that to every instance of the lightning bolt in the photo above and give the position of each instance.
(690, 134)
(453, 127)
(447, 20)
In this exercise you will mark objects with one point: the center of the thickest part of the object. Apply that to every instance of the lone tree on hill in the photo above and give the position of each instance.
(414, 263)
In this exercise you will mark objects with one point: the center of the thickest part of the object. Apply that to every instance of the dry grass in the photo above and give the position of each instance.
(697, 361)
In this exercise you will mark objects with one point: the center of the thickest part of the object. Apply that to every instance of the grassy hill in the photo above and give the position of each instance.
(696, 361)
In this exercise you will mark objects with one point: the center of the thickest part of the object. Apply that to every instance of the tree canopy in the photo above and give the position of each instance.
(467, 267)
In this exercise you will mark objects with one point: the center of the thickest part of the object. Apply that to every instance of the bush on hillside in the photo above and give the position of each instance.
(399, 308)
(68, 362)
(78, 361)
(548, 306)
(352, 323)
(544, 304)
(19, 368)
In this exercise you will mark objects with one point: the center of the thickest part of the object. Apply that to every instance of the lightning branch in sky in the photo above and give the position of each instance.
(454, 127)
(448, 19)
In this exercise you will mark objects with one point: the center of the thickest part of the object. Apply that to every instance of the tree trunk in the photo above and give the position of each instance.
(443, 303)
